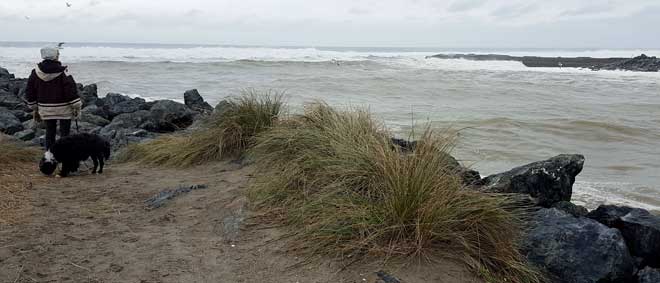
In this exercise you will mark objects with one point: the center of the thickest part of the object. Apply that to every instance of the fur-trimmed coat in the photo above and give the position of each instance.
(52, 92)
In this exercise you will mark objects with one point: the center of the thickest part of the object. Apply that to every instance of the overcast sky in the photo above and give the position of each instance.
(429, 23)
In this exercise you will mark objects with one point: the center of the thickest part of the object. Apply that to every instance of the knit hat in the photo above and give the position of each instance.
(50, 53)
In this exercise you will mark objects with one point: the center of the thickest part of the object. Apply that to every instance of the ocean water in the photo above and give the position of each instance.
(510, 115)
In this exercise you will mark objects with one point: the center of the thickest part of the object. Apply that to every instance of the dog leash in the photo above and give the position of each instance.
(77, 127)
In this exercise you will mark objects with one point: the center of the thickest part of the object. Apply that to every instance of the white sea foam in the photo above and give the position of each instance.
(30, 53)
(593, 194)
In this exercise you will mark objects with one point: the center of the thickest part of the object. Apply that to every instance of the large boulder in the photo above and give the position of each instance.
(571, 208)
(9, 124)
(88, 95)
(572, 249)
(89, 117)
(25, 135)
(22, 115)
(11, 101)
(101, 111)
(549, 181)
(135, 120)
(640, 229)
(648, 275)
(115, 104)
(5, 75)
(196, 102)
(169, 116)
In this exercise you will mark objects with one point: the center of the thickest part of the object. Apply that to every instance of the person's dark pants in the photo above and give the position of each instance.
(51, 130)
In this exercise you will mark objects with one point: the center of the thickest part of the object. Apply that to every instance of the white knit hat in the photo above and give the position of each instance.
(50, 53)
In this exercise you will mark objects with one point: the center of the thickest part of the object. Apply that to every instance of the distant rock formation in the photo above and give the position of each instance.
(641, 63)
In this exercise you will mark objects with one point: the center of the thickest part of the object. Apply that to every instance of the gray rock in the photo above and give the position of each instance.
(22, 115)
(571, 208)
(88, 95)
(649, 275)
(129, 106)
(164, 196)
(640, 229)
(9, 124)
(25, 135)
(572, 249)
(194, 101)
(133, 120)
(5, 75)
(548, 181)
(100, 111)
(11, 101)
(87, 117)
(85, 127)
(640, 63)
(384, 277)
(222, 107)
(169, 116)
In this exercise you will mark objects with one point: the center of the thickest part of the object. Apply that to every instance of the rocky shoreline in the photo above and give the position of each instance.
(640, 63)
(566, 241)
(118, 118)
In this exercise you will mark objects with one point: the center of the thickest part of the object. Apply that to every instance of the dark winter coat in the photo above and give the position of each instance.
(51, 92)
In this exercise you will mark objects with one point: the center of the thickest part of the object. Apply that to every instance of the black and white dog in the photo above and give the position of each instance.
(71, 150)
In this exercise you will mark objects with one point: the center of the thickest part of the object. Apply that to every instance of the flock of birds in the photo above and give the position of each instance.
(68, 5)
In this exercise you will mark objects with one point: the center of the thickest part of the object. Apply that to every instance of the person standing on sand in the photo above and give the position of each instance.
(53, 95)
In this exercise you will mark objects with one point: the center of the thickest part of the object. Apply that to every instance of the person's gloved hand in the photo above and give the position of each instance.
(36, 117)
(75, 112)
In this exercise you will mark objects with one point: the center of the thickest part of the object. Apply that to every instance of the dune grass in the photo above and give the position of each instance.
(18, 164)
(336, 180)
(226, 134)
(12, 153)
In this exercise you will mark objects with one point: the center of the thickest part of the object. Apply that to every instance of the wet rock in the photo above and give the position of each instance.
(640, 229)
(640, 63)
(88, 95)
(85, 127)
(88, 117)
(161, 198)
(222, 107)
(134, 120)
(5, 75)
(11, 101)
(124, 106)
(648, 275)
(383, 277)
(194, 101)
(25, 135)
(9, 124)
(101, 111)
(22, 115)
(549, 181)
(169, 116)
(574, 249)
(571, 208)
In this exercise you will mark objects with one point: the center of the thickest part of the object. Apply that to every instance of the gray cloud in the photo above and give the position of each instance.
(492, 23)
(464, 5)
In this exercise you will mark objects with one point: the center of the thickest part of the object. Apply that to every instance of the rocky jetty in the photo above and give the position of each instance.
(641, 63)
(570, 244)
(118, 118)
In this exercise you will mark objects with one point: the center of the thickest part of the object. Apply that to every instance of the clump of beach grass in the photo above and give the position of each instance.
(17, 162)
(337, 181)
(227, 133)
